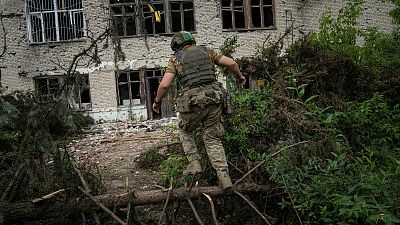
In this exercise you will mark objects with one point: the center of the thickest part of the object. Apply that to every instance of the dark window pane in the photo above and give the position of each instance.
(188, 5)
(267, 2)
(176, 21)
(175, 6)
(130, 26)
(238, 3)
(123, 77)
(135, 90)
(69, 4)
(65, 29)
(148, 22)
(130, 10)
(134, 76)
(39, 5)
(255, 2)
(78, 24)
(116, 10)
(53, 85)
(85, 96)
(189, 21)
(256, 16)
(239, 20)
(119, 25)
(227, 20)
(41, 85)
(123, 90)
(149, 73)
(50, 26)
(268, 17)
(225, 3)
(36, 28)
(160, 26)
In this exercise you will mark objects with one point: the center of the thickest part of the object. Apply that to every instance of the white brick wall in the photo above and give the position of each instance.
(23, 58)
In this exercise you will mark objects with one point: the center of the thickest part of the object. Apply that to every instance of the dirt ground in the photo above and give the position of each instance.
(117, 147)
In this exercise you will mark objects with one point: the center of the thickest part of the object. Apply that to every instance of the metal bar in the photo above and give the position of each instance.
(182, 16)
(43, 31)
(233, 15)
(262, 13)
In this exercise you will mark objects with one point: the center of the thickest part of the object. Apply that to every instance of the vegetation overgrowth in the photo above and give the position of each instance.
(330, 110)
(325, 118)
(32, 161)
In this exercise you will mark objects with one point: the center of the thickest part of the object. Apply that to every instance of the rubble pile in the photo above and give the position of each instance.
(115, 147)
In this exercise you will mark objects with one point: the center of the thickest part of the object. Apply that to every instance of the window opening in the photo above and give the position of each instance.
(174, 16)
(47, 87)
(79, 93)
(247, 14)
(55, 20)
(129, 88)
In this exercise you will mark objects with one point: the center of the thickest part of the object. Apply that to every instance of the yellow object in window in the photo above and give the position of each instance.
(157, 14)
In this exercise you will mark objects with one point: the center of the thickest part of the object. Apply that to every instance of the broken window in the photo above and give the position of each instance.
(55, 20)
(247, 14)
(79, 93)
(129, 88)
(47, 87)
(129, 20)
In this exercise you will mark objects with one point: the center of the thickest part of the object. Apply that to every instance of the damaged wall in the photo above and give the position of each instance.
(23, 61)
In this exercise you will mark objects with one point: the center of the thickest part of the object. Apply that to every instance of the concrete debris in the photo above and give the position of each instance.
(115, 148)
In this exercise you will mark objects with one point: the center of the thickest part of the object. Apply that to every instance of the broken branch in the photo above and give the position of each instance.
(212, 209)
(166, 201)
(194, 211)
(48, 196)
(28, 210)
(116, 218)
(252, 206)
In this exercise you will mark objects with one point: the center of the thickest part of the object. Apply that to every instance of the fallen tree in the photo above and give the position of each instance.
(48, 208)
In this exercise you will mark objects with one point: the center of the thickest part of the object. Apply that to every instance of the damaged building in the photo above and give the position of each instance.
(39, 39)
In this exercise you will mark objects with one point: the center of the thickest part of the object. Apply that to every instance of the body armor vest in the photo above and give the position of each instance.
(196, 66)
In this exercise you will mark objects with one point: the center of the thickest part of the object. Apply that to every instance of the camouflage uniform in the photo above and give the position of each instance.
(197, 105)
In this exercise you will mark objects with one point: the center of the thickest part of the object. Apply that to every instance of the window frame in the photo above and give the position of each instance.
(129, 82)
(166, 15)
(49, 94)
(247, 14)
(78, 84)
(55, 12)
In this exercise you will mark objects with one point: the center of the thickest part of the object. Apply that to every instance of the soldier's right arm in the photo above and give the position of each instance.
(233, 67)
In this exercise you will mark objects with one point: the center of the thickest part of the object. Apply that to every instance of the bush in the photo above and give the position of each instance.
(30, 156)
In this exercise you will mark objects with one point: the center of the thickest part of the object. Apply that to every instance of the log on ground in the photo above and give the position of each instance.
(31, 211)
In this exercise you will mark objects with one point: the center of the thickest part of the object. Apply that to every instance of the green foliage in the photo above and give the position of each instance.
(376, 61)
(246, 130)
(173, 168)
(228, 49)
(340, 34)
(354, 185)
(331, 109)
(31, 160)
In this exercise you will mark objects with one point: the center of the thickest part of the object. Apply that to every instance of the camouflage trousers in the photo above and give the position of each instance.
(210, 116)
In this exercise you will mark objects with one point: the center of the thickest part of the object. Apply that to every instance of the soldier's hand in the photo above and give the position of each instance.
(241, 80)
(156, 107)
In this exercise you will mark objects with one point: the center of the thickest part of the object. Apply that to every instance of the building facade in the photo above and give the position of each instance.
(41, 39)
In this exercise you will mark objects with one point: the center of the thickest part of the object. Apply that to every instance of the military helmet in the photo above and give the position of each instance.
(181, 39)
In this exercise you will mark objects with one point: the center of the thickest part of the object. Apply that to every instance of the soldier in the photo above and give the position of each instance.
(199, 100)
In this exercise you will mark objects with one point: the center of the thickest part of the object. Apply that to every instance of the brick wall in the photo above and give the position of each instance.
(23, 61)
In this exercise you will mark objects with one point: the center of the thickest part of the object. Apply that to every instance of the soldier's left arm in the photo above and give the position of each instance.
(163, 88)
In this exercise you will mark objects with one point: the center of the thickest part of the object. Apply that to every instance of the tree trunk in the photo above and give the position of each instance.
(49, 208)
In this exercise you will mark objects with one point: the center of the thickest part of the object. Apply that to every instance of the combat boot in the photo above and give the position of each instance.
(225, 180)
(193, 168)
